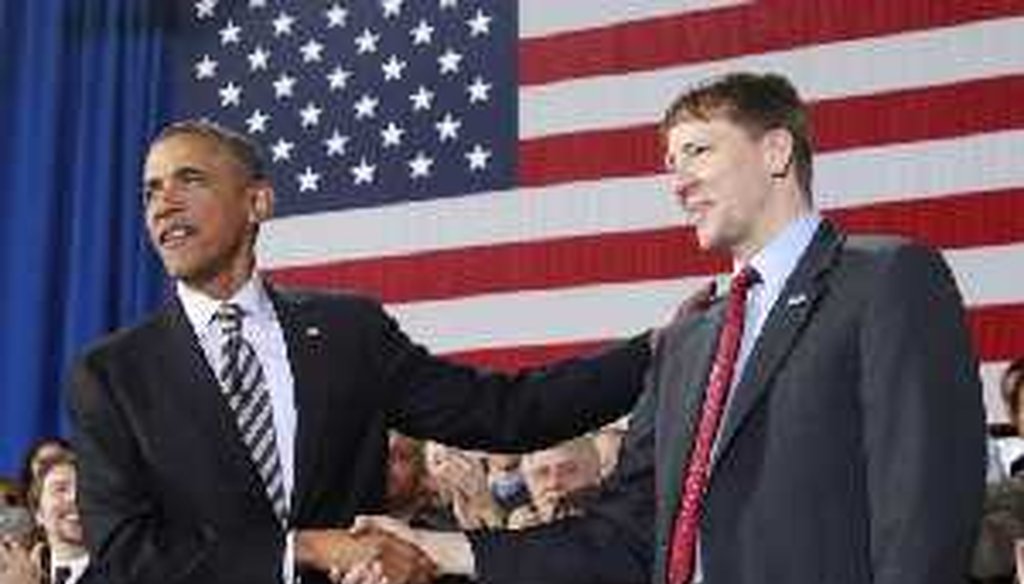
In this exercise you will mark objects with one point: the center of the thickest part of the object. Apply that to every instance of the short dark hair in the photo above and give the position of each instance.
(756, 102)
(244, 150)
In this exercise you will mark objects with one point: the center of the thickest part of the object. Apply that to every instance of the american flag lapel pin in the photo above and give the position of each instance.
(796, 300)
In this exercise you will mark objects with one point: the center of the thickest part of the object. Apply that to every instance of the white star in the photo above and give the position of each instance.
(363, 172)
(391, 7)
(422, 34)
(366, 42)
(336, 16)
(480, 24)
(204, 8)
(366, 107)
(311, 51)
(257, 3)
(230, 94)
(338, 78)
(206, 67)
(393, 68)
(310, 115)
(257, 122)
(284, 86)
(283, 24)
(449, 61)
(281, 150)
(422, 99)
(258, 59)
(478, 90)
(478, 157)
(448, 128)
(449, 4)
(336, 144)
(392, 135)
(308, 180)
(419, 167)
(230, 34)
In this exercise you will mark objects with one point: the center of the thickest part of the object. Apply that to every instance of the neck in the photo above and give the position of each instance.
(224, 285)
(63, 551)
(786, 206)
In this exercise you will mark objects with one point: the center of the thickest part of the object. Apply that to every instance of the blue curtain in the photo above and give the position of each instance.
(81, 88)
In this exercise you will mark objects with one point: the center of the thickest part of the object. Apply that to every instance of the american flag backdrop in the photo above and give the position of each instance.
(491, 169)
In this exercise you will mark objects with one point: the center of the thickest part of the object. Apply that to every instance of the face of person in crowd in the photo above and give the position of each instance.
(722, 176)
(1014, 385)
(58, 512)
(554, 473)
(405, 470)
(202, 210)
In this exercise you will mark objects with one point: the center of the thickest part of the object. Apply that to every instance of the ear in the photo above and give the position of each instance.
(777, 149)
(262, 207)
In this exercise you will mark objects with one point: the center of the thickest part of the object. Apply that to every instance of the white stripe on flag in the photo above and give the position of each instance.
(859, 67)
(846, 178)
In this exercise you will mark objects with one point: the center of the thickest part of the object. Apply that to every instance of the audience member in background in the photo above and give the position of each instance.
(1006, 448)
(461, 481)
(16, 530)
(557, 477)
(505, 481)
(39, 452)
(411, 494)
(52, 499)
(1002, 523)
(608, 440)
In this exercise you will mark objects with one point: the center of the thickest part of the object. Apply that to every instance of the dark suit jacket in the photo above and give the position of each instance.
(168, 492)
(852, 451)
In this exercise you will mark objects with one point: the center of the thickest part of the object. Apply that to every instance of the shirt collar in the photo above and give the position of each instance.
(199, 307)
(775, 261)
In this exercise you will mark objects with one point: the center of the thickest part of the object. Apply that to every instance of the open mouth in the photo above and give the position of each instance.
(175, 235)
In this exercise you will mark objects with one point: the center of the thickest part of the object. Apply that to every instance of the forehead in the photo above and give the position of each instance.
(690, 129)
(179, 150)
(59, 474)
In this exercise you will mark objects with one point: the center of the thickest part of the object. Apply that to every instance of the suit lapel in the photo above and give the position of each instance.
(185, 370)
(787, 319)
(310, 371)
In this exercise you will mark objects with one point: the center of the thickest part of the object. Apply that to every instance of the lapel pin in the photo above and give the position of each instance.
(796, 300)
(313, 332)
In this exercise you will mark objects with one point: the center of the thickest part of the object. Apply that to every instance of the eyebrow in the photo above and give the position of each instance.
(179, 173)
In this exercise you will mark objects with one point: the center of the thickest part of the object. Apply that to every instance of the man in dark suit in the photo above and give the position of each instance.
(220, 438)
(822, 423)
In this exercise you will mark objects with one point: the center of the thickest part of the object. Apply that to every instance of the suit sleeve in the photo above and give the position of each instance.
(470, 408)
(611, 542)
(130, 537)
(923, 422)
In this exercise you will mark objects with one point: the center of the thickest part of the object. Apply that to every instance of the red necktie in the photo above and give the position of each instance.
(684, 532)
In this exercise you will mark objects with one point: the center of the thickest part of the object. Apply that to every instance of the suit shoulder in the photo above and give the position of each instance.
(883, 251)
(126, 339)
(329, 299)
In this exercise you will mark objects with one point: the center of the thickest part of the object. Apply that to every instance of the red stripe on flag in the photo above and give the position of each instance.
(995, 330)
(901, 116)
(955, 221)
(728, 32)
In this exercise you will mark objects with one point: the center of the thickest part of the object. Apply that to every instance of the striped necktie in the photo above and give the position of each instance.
(245, 388)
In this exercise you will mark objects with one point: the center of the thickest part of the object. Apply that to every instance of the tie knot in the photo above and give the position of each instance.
(229, 318)
(742, 281)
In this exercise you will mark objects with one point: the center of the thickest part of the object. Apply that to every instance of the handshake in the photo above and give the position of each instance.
(383, 550)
